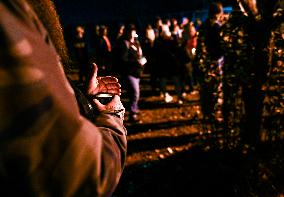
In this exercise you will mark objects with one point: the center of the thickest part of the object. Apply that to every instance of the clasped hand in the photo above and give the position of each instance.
(109, 85)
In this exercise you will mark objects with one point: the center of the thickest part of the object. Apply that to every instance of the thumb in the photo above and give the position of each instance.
(93, 82)
(95, 70)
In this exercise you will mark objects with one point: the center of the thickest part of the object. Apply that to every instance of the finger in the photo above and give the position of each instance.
(108, 79)
(93, 82)
(114, 91)
(113, 88)
(107, 86)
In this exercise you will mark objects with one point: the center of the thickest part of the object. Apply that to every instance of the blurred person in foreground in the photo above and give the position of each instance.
(246, 66)
(47, 147)
(238, 70)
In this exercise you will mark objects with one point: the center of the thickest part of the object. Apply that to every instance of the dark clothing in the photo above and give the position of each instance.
(209, 66)
(208, 50)
(103, 55)
(130, 71)
(81, 50)
(245, 68)
(117, 61)
(273, 115)
(129, 58)
(149, 53)
(168, 64)
(238, 71)
(211, 34)
(47, 147)
(167, 61)
(151, 65)
(81, 57)
(186, 58)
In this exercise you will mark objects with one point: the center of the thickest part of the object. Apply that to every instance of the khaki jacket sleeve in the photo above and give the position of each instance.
(46, 147)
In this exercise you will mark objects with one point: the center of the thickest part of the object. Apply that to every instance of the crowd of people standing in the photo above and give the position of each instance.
(57, 140)
(165, 50)
(224, 58)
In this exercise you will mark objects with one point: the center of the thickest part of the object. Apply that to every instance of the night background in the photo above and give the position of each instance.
(112, 11)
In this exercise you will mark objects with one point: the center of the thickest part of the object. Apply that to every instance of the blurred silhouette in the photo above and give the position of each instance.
(81, 54)
(103, 52)
(130, 69)
(209, 61)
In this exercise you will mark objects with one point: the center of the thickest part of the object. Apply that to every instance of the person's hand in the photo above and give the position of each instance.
(113, 107)
(106, 84)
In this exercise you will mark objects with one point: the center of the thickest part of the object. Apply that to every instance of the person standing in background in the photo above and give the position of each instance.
(209, 60)
(149, 52)
(103, 52)
(188, 50)
(81, 54)
(168, 65)
(131, 68)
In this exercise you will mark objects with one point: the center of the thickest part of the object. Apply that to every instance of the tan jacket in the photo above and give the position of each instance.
(46, 147)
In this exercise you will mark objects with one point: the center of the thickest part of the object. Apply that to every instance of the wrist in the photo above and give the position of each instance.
(115, 112)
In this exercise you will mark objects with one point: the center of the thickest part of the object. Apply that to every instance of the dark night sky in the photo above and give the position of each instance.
(107, 11)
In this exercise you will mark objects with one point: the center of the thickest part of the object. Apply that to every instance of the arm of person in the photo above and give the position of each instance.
(47, 147)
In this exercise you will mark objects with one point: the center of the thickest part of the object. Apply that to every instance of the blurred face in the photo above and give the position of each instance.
(168, 23)
(159, 23)
(134, 34)
(174, 22)
(97, 28)
(150, 34)
(105, 31)
(121, 30)
(166, 33)
(220, 15)
(185, 21)
(80, 30)
(198, 22)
